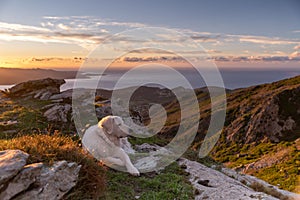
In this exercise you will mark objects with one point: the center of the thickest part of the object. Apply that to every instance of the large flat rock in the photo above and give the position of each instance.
(22, 181)
(11, 163)
(53, 182)
(214, 185)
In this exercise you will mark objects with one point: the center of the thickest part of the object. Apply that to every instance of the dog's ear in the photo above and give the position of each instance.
(107, 124)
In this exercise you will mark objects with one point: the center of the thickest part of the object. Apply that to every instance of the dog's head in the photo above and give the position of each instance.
(114, 125)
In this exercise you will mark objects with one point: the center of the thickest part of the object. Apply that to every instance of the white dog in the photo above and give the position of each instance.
(103, 142)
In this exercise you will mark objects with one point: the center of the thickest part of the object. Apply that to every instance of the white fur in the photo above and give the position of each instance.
(103, 142)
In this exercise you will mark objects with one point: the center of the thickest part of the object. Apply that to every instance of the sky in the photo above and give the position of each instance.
(258, 34)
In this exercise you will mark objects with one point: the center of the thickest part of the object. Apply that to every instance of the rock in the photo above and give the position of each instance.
(266, 161)
(204, 183)
(22, 181)
(39, 89)
(11, 162)
(215, 185)
(153, 159)
(263, 186)
(34, 181)
(53, 182)
(145, 147)
(58, 113)
(10, 132)
(103, 110)
(67, 94)
(8, 123)
(126, 146)
(274, 118)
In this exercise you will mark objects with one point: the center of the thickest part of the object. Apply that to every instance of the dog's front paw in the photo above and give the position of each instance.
(133, 171)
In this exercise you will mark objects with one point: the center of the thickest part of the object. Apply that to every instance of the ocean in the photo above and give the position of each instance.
(232, 79)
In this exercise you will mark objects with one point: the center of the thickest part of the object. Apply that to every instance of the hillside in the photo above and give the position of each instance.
(262, 130)
(10, 76)
(260, 137)
(261, 133)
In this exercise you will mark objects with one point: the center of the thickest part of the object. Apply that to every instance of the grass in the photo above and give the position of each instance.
(251, 153)
(268, 190)
(150, 140)
(97, 181)
(28, 115)
(284, 174)
(168, 184)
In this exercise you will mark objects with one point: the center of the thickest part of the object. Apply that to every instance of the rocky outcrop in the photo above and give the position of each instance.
(265, 161)
(269, 114)
(260, 185)
(58, 112)
(39, 89)
(67, 94)
(53, 182)
(11, 162)
(34, 181)
(228, 184)
(22, 181)
(218, 182)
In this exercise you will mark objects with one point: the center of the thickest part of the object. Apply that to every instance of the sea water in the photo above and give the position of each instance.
(232, 79)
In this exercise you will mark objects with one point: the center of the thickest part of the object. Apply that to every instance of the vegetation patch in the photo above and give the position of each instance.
(168, 184)
(47, 149)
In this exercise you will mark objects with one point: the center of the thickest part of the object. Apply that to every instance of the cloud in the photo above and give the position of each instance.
(60, 60)
(153, 59)
(221, 59)
(90, 20)
(88, 31)
(70, 29)
(265, 40)
(50, 33)
(54, 59)
(161, 51)
(293, 57)
(84, 31)
(276, 58)
(225, 38)
(150, 51)
(206, 38)
(63, 27)
(297, 47)
(11, 27)
(240, 59)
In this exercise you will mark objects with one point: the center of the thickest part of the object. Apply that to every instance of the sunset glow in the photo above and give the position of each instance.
(64, 41)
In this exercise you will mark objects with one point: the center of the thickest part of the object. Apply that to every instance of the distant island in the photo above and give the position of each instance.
(10, 76)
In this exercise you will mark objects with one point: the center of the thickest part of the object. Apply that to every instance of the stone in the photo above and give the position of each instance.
(126, 146)
(22, 181)
(39, 89)
(54, 182)
(67, 94)
(204, 183)
(8, 123)
(58, 113)
(11, 162)
(251, 180)
(215, 185)
(267, 120)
